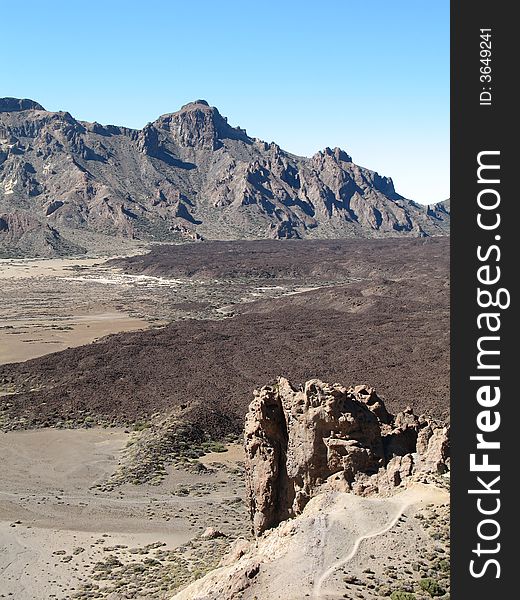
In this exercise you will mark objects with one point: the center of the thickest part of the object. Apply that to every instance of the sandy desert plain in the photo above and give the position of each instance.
(93, 501)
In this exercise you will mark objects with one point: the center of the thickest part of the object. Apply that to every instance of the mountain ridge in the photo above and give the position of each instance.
(186, 175)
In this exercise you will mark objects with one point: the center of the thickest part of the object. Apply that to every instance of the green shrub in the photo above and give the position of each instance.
(432, 587)
(444, 565)
(218, 447)
(141, 425)
(212, 446)
(402, 596)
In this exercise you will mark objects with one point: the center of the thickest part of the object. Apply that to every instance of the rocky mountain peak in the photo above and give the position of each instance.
(199, 125)
(194, 104)
(185, 175)
(18, 104)
(338, 154)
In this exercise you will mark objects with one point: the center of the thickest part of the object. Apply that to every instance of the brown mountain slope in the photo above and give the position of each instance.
(186, 175)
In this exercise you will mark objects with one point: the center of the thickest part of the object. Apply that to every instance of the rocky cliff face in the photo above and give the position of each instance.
(22, 233)
(187, 175)
(304, 449)
(301, 441)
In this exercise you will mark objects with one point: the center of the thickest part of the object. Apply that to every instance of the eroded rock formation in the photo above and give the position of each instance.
(299, 440)
(23, 234)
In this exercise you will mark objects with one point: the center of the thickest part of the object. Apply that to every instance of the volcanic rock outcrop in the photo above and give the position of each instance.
(187, 175)
(299, 440)
(22, 234)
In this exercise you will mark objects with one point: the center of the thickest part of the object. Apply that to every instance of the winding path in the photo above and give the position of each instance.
(338, 564)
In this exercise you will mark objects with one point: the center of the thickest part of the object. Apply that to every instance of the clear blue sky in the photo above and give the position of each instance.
(370, 76)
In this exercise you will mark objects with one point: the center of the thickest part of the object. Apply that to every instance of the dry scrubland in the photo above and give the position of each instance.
(64, 534)
(125, 511)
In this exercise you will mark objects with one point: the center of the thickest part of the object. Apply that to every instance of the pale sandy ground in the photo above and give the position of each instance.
(48, 305)
(24, 268)
(55, 526)
(338, 535)
(29, 338)
(38, 316)
(234, 454)
(47, 505)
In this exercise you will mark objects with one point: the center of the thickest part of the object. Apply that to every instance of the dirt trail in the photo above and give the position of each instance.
(412, 496)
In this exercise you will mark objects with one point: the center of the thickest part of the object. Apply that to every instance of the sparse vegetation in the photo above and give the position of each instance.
(207, 416)
(432, 587)
(129, 377)
(402, 596)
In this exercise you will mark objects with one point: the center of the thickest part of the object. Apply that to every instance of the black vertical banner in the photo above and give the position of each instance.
(484, 254)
